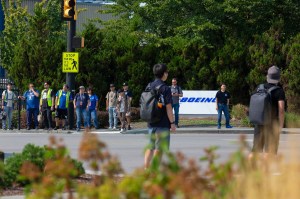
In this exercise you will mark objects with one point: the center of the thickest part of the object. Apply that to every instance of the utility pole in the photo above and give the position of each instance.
(70, 77)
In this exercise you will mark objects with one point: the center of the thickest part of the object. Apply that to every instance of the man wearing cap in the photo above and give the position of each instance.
(81, 105)
(47, 104)
(62, 101)
(128, 95)
(266, 138)
(111, 104)
(8, 99)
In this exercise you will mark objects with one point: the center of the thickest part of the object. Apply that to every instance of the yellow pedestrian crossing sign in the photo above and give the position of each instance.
(70, 62)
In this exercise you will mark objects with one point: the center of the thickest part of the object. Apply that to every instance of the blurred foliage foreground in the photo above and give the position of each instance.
(175, 176)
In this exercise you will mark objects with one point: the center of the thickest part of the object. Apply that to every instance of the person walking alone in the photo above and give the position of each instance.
(222, 104)
(159, 132)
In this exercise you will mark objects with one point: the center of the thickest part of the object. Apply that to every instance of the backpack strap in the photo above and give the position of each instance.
(272, 89)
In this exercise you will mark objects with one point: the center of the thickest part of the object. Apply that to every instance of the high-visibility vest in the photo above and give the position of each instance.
(67, 98)
(49, 99)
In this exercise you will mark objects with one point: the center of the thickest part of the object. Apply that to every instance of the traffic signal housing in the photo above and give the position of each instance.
(69, 10)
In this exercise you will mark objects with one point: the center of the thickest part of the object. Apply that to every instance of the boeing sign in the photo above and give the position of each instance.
(198, 103)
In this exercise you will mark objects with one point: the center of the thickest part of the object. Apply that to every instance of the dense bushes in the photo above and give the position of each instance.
(38, 156)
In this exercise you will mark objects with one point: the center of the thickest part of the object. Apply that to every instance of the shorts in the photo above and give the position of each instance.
(61, 113)
(159, 138)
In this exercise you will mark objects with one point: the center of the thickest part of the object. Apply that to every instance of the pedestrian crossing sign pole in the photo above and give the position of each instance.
(70, 62)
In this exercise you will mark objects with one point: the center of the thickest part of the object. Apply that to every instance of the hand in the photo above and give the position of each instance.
(2, 107)
(74, 106)
(173, 127)
(107, 108)
(56, 107)
(52, 108)
(216, 108)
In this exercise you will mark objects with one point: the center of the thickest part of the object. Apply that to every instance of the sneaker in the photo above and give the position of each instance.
(36, 128)
(229, 127)
(50, 129)
(219, 126)
(77, 129)
(28, 128)
(64, 128)
(110, 128)
(129, 127)
(123, 131)
(115, 128)
(11, 128)
(56, 128)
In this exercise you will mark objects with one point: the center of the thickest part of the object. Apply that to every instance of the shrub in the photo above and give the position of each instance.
(35, 155)
(292, 120)
(239, 111)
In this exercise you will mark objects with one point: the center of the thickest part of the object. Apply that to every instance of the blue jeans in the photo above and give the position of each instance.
(223, 108)
(176, 112)
(32, 112)
(113, 120)
(8, 111)
(159, 138)
(92, 115)
(81, 112)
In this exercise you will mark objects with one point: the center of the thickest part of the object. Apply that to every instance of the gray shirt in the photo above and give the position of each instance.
(177, 90)
(9, 97)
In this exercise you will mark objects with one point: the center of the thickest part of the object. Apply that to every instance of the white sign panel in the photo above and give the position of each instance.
(198, 102)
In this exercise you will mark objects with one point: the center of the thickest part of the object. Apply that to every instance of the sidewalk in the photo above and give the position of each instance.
(181, 130)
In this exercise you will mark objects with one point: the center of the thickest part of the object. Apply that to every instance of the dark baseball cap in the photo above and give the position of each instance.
(273, 76)
(125, 84)
(111, 85)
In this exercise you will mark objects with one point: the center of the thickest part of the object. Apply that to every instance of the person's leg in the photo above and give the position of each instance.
(123, 120)
(128, 119)
(28, 117)
(35, 113)
(9, 116)
(273, 136)
(150, 148)
(115, 117)
(85, 118)
(45, 120)
(258, 139)
(111, 116)
(219, 115)
(227, 116)
(95, 119)
(49, 117)
(57, 117)
(88, 117)
(78, 117)
(176, 113)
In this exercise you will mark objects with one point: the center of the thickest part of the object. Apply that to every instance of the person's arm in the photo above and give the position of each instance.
(88, 102)
(281, 113)
(3, 96)
(107, 96)
(228, 100)
(53, 99)
(170, 116)
(35, 93)
(217, 101)
(74, 102)
(180, 94)
(97, 103)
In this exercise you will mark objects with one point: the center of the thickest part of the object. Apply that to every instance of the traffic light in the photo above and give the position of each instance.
(69, 10)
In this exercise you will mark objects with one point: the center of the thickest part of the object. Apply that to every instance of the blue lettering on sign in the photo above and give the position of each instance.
(198, 100)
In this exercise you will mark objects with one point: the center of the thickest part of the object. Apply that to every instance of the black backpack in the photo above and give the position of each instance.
(260, 108)
(150, 110)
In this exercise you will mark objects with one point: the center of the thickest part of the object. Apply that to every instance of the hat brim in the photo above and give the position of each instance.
(272, 81)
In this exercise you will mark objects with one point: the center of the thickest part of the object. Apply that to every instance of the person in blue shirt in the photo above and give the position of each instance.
(81, 105)
(93, 106)
(31, 98)
(62, 101)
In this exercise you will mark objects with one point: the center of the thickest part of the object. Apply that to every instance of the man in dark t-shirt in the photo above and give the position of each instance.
(222, 103)
(159, 132)
(266, 138)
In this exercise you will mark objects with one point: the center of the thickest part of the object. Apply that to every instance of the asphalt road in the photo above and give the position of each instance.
(129, 148)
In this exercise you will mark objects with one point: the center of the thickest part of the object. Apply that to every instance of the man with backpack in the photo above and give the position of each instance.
(266, 112)
(176, 94)
(161, 120)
